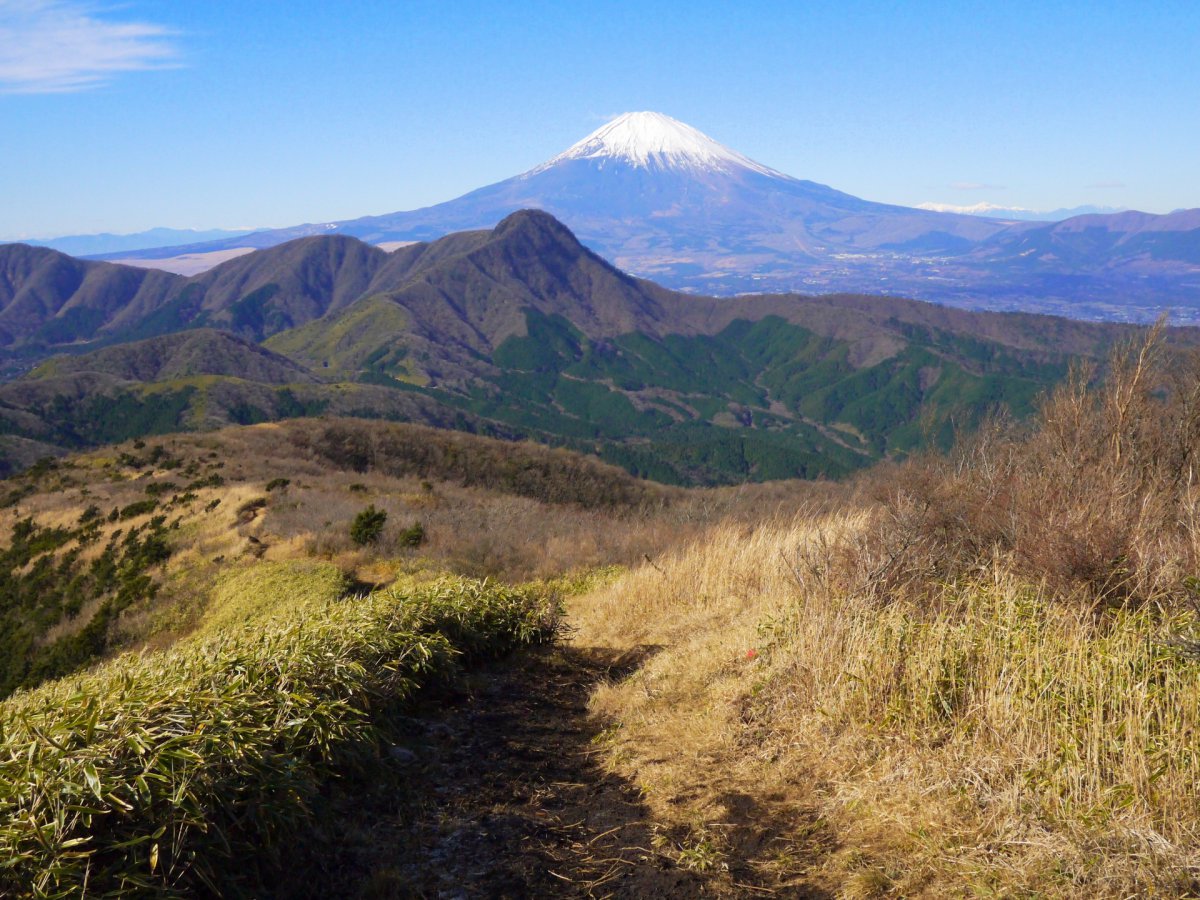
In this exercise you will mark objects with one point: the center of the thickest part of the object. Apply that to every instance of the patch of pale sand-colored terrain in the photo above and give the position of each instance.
(189, 263)
(195, 263)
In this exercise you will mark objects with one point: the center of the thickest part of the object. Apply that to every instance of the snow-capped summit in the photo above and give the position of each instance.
(651, 140)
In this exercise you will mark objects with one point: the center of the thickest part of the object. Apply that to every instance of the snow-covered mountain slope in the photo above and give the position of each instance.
(663, 200)
(651, 140)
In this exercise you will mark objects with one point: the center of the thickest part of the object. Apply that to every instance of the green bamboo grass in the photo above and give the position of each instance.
(167, 773)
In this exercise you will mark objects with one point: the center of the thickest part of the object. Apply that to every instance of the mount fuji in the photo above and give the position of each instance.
(664, 201)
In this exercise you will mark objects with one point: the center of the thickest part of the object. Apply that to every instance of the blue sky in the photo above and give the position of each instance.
(119, 116)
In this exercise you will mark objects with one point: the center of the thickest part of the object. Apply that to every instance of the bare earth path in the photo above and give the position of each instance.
(504, 795)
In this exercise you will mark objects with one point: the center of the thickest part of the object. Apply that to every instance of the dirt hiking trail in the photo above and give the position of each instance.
(504, 794)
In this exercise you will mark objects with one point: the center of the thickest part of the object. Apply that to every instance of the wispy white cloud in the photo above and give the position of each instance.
(974, 186)
(55, 46)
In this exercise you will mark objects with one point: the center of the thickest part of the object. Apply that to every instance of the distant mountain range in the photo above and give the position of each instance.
(100, 244)
(661, 200)
(1020, 213)
(514, 331)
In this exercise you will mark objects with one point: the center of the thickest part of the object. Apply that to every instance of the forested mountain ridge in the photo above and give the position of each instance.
(523, 331)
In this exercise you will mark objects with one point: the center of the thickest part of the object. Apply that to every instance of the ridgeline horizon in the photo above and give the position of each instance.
(662, 200)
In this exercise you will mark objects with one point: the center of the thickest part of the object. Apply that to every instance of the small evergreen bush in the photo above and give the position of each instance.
(368, 525)
(413, 536)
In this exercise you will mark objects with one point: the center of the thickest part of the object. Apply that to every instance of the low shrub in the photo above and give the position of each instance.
(413, 536)
(140, 508)
(368, 525)
(1097, 496)
(248, 510)
(209, 481)
(159, 488)
(16, 495)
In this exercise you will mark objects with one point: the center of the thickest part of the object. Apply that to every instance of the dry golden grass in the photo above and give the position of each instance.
(995, 742)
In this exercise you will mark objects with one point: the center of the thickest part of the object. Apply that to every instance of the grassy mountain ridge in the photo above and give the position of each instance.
(260, 295)
(91, 545)
(49, 300)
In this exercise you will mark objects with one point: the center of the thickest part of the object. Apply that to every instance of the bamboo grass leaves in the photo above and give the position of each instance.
(168, 772)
